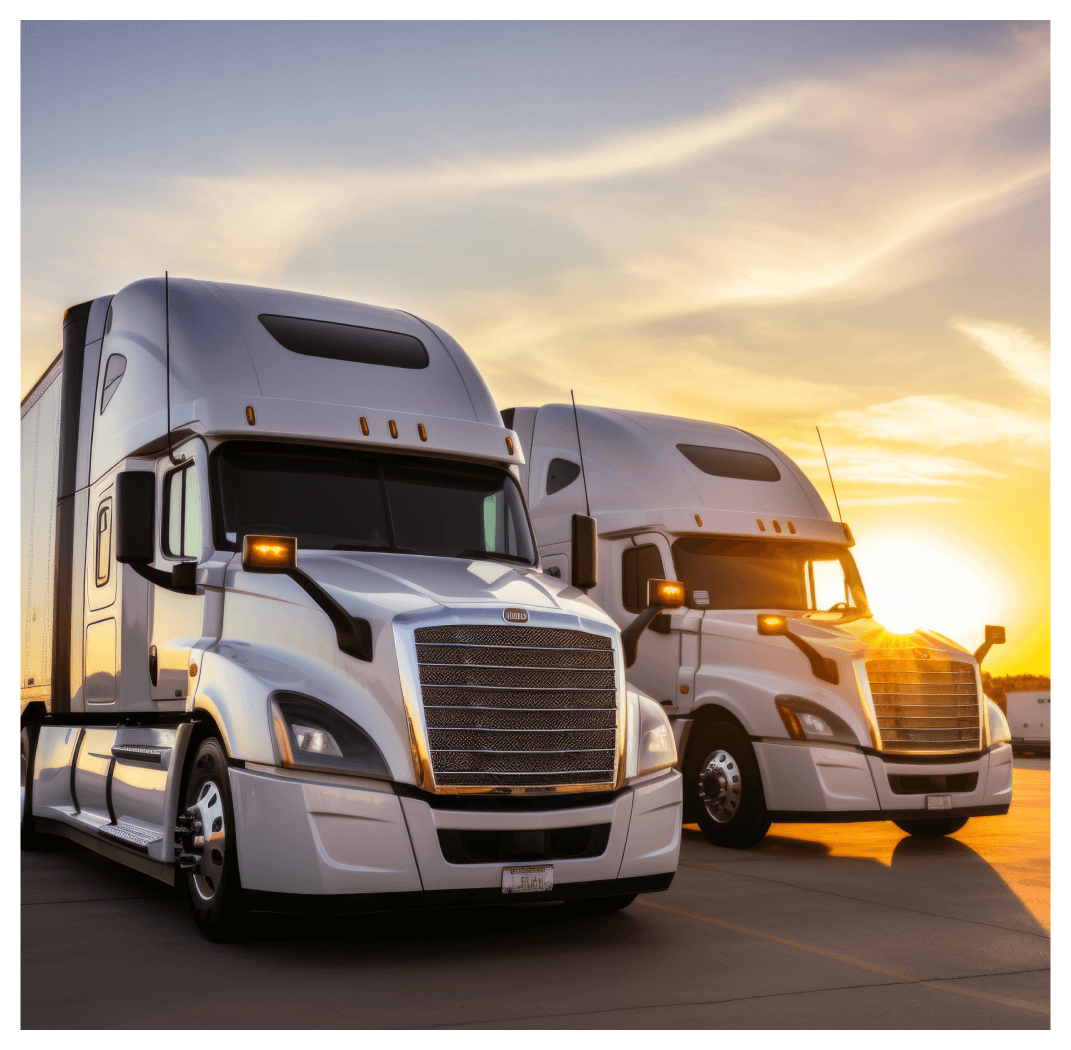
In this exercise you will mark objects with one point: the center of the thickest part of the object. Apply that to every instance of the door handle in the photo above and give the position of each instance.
(153, 665)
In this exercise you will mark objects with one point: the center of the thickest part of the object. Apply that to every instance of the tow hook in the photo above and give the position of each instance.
(189, 840)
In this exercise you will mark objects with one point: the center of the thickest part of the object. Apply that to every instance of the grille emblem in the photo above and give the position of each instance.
(514, 616)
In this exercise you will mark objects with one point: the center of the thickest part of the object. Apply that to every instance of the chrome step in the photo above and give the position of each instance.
(130, 835)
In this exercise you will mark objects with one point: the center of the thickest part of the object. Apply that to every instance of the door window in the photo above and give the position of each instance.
(638, 565)
(182, 501)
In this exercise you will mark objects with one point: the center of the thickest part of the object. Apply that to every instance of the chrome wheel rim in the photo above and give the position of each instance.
(720, 786)
(208, 878)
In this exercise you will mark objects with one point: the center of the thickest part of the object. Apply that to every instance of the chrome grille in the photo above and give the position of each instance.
(924, 704)
(518, 706)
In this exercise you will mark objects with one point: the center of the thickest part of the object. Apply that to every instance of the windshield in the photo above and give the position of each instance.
(732, 573)
(342, 499)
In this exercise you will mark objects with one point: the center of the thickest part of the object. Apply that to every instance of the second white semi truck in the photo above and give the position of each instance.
(789, 702)
(286, 637)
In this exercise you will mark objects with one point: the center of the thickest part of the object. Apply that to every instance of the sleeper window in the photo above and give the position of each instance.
(103, 559)
(182, 496)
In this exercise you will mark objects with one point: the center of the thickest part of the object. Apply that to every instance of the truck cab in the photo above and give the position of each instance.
(301, 650)
(789, 701)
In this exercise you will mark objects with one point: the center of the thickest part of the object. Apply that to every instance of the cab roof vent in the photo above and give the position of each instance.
(346, 342)
(731, 463)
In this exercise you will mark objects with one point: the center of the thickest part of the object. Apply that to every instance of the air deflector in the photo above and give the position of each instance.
(346, 342)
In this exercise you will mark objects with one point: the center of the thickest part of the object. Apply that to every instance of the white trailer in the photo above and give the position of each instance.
(1029, 719)
(789, 703)
(287, 638)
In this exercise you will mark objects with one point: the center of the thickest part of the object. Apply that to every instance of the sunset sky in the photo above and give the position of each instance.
(772, 225)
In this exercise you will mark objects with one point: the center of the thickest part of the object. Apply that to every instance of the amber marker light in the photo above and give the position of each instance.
(770, 623)
(269, 553)
(364, 426)
(509, 445)
(250, 416)
(667, 593)
(393, 428)
(422, 432)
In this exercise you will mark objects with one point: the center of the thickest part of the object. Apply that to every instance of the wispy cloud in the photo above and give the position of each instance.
(944, 421)
(875, 465)
(1017, 350)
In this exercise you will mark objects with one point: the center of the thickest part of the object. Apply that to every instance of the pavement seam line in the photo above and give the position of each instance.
(863, 900)
(782, 940)
(1021, 1004)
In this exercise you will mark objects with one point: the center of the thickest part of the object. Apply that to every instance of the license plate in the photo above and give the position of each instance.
(533, 878)
(938, 801)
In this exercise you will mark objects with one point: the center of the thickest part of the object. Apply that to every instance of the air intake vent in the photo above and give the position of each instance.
(518, 706)
(924, 704)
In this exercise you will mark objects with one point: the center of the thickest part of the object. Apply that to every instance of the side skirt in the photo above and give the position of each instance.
(112, 850)
(850, 816)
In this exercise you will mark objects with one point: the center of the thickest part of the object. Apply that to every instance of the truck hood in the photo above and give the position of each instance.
(378, 587)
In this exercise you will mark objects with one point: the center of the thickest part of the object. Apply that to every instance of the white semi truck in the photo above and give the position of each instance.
(1029, 716)
(286, 637)
(789, 703)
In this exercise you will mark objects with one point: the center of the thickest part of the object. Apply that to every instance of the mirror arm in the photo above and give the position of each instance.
(982, 651)
(159, 577)
(354, 635)
(630, 635)
(822, 667)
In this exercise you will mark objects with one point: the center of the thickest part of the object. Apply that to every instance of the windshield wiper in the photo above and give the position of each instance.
(492, 556)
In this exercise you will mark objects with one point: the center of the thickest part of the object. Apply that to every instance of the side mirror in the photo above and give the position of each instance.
(135, 517)
(585, 560)
(823, 668)
(269, 554)
(665, 594)
(993, 636)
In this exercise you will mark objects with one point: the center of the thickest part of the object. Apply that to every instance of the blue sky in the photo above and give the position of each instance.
(769, 224)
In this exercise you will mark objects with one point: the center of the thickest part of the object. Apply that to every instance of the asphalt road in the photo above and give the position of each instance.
(821, 926)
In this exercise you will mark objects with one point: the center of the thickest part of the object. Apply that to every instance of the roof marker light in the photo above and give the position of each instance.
(699, 521)
(792, 528)
(777, 526)
(758, 521)
(509, 445)
(393, 428)
(422, 432)
(250, 416)
(364, 426)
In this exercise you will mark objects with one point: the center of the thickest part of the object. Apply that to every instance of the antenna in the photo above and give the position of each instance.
(583, 473)
(167, 366)
(830, 473)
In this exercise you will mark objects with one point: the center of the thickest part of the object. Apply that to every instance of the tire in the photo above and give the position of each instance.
(214, 891)
(931, 829)
(723, 788)
(600, 905)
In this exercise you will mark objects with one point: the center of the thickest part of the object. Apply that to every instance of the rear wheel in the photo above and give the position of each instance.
(931, 829)
(213, 889)
(725, 788)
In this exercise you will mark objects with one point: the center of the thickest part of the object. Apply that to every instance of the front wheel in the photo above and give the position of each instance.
(931, 829)
(724, 789)
(213, 888)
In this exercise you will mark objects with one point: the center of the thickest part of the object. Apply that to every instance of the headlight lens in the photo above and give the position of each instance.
(806, 720)
(309, 734)
(657, 747)
(999, 730)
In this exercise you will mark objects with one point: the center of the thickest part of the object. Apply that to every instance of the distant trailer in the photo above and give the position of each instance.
(1029, 720)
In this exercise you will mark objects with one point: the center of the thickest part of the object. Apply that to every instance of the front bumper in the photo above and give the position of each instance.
(305, 836)
(813, 783)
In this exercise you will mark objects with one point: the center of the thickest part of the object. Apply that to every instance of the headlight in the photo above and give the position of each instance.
(806, 720)
(657, 747)
(999, 731)
(308, 734)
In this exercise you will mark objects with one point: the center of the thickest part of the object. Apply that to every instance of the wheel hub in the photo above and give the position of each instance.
(208, 876)
(720, 786)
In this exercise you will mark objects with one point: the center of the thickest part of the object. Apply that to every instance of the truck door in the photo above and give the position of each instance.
(176, 620)
(646, 557)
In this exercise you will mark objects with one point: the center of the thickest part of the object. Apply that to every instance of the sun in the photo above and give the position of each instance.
(931, 582)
